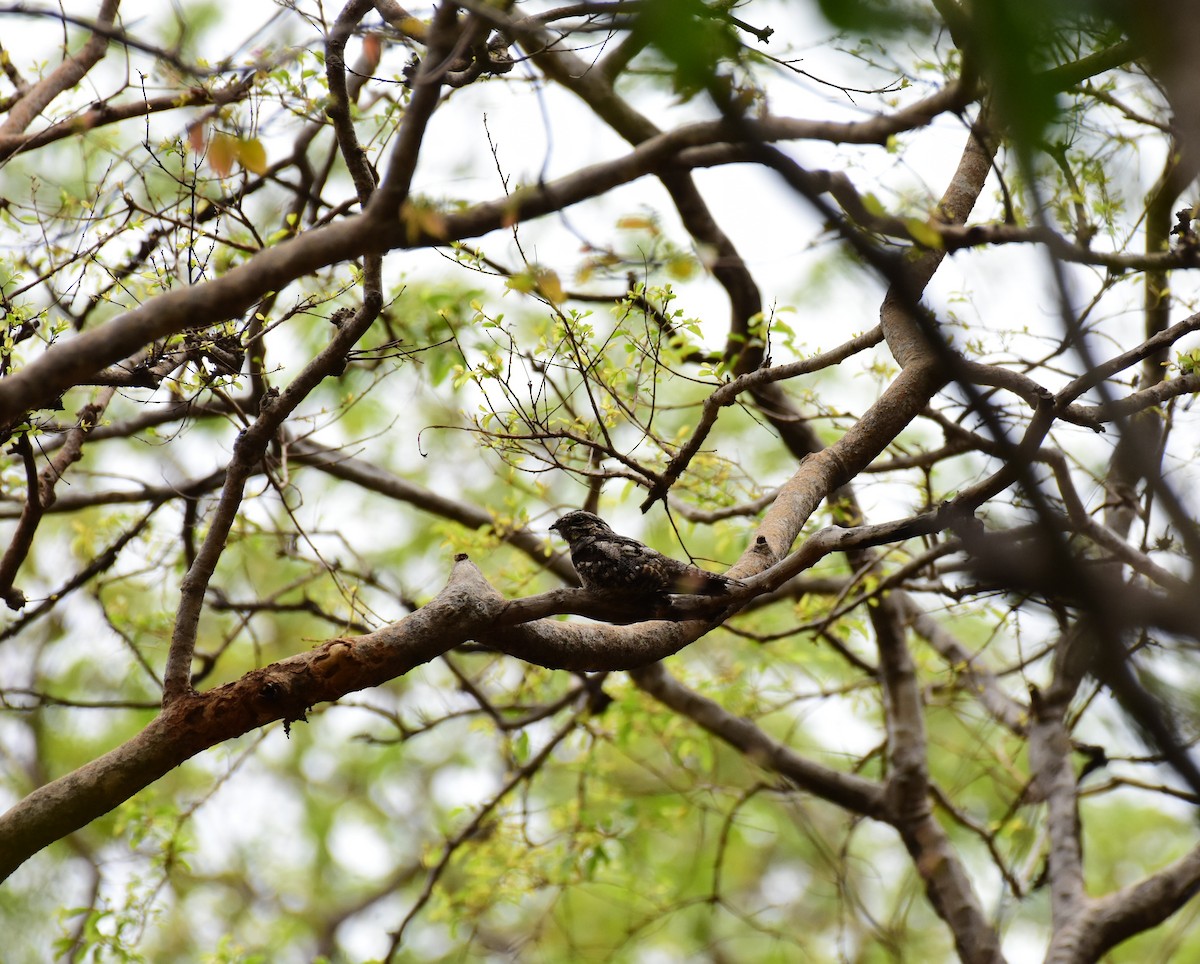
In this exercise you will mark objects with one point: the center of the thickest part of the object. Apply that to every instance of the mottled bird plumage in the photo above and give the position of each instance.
(606, 560)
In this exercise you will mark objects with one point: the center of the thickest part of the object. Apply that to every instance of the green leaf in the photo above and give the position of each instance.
(924, 233)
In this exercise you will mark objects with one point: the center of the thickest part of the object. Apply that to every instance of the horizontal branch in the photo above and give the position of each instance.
(467, 608)
(1135, 402)
(72, 360)
(1102, 372)
(104, 114)
(956, 237)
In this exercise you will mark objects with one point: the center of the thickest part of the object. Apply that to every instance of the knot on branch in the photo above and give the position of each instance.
(334, 661)
(763, 553)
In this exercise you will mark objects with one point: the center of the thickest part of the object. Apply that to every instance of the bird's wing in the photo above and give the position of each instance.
(612, 561)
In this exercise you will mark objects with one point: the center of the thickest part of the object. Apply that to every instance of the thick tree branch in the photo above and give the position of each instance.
(72, 360)
(281, 691)
(1129, 911)
(63, 78)
(1054, 784)
(468, 608)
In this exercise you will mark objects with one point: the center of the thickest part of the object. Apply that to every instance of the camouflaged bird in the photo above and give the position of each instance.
(608, 561)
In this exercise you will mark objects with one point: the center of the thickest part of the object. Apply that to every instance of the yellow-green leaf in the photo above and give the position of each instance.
(924, 233)
(252, 155)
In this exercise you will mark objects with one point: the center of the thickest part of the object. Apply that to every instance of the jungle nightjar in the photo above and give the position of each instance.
(608, 561)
